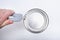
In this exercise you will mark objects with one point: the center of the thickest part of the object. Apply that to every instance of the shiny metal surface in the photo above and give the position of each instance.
(36, 20)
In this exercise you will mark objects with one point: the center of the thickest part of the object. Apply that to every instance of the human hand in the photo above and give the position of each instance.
(4, 14)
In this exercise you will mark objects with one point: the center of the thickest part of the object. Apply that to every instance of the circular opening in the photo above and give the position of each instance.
(36, 20)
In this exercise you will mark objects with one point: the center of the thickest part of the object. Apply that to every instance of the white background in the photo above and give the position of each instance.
(17, 31)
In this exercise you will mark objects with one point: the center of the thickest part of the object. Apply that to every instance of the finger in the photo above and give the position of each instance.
(7, 13)
(7, 22)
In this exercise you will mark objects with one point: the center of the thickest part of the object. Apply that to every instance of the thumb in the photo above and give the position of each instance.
(7, 22)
